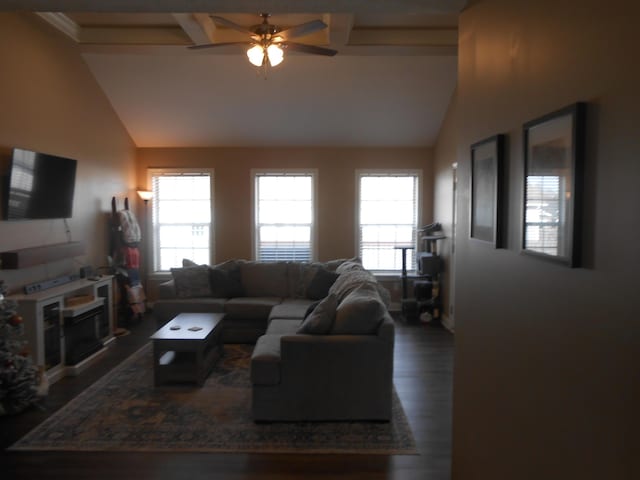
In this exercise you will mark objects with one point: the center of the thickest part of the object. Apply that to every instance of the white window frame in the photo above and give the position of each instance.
(155, 171)
(390, 173)
(313, 172)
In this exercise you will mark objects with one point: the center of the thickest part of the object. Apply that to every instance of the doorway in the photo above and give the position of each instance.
(450, 324)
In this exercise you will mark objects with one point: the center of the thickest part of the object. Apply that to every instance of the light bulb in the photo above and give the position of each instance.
(275, 55)
(256, 55)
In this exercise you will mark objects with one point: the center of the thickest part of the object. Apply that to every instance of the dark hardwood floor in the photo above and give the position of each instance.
(423, 380)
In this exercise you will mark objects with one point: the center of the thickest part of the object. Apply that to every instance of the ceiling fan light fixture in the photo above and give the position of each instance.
(267, 42)
(275, 54)
(256, 55)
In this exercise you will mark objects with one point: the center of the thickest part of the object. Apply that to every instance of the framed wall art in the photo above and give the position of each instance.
(553, 171)
(486, 190)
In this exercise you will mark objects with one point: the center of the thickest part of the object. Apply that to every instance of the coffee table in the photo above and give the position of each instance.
(187, 347)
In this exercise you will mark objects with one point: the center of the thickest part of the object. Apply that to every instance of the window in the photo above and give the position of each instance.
(181, 216)
(284, 216)
(544, 213)
(387, 218)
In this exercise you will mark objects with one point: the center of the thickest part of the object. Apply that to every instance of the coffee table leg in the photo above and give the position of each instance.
(156, 361)
(200, 367)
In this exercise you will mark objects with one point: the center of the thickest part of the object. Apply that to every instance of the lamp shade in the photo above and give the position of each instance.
(275, 55)
(145, 195)
(256, 55)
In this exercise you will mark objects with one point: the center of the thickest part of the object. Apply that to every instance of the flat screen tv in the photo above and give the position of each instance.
(39, 186)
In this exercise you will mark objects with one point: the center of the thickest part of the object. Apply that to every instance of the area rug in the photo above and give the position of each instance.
(123, 411)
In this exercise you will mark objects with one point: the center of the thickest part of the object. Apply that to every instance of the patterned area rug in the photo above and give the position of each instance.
(124, 412)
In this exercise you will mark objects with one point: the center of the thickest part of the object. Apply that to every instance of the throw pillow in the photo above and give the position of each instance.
(349, 266)
(320, 320)
(334, 264)
(321, 283)
(360, 313)
(224, 284)
(308, 272)
(188, 263)
(349, 281)
(191, 281)
(264, 279)
(311, 308)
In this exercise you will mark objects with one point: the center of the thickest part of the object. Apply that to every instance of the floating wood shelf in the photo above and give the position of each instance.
(29, 257)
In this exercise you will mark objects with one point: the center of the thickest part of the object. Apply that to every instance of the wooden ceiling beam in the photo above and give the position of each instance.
(346, 50)
(134, 35)
(404, 36)
(198, 26)
(340, 26)
(233, 6)
(62, 23)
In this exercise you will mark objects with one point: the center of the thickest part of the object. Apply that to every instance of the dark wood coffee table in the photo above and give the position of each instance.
(187, 347)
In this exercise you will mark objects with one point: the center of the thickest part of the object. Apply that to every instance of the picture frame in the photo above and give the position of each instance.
(554, 149)
(487, 158)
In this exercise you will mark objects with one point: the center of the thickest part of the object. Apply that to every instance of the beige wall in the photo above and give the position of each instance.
(50, 102)
(445, 156)
(547, 357)
(336, 187)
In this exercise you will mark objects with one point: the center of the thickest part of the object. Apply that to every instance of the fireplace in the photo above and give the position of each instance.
(82, 333)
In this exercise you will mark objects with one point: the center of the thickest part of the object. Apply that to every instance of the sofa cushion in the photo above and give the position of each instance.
(297, 273)
(254, 308)
(283, 326)
(360, 313)
(320, 321)
(191, 282)
(264, 279)
(294, 308)
(265, 361)
(321, 283)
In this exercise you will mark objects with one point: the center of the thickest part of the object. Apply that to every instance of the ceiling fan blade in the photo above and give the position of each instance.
(301, 30)
(211, 45)
(301, 47)
(229, 24)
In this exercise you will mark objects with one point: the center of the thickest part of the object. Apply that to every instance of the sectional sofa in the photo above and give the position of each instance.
(323, 336)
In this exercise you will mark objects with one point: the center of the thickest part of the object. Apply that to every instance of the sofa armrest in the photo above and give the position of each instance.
(387, 329)
(336, 376)
(336, 359)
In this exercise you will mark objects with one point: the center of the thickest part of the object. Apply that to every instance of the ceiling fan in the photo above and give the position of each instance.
(268, 41)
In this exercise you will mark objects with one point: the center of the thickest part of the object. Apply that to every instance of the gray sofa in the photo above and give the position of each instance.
(324, 337)
(246, 291)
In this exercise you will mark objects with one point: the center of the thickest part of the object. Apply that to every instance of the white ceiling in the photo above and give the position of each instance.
(389, 85)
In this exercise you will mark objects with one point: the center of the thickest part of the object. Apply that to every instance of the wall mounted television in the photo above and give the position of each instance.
(38, 186)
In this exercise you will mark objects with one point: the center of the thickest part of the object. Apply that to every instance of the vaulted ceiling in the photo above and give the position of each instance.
(389, 85)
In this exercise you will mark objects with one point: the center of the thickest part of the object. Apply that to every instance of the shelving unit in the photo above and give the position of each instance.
(426, 282)
(28, 257)
(432, 266)
(44, 314)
